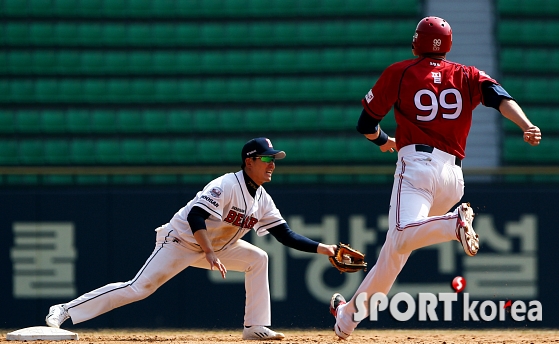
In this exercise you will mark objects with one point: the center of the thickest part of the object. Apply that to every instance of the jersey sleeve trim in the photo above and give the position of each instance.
(211, 211)
(369, 111)
(262, 230)
(493, 94)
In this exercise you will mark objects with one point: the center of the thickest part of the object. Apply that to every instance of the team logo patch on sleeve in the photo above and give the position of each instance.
(216, 192)
(369, 96)
(210, 200)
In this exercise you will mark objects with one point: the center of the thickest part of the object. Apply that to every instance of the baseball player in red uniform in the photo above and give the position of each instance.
(206, 233)
(433, 100)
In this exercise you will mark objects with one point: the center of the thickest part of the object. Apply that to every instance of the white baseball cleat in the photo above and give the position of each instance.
(261, 333)
(336, 301)
(57, 315)
(465, 230)
(341, 334)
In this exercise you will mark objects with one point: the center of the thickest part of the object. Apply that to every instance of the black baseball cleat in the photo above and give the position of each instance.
(336, 300)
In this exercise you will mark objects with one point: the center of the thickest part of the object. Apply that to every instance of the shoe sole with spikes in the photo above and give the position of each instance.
(465, 230)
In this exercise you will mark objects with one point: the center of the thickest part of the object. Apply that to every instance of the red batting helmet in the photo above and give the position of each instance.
(433, 35)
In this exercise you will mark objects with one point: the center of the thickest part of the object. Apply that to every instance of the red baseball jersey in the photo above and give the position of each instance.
(433, 101)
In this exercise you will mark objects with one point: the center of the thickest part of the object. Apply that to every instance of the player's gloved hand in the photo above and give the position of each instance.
(348, 259)
(389, 146)
(533, 135)
(216, 263)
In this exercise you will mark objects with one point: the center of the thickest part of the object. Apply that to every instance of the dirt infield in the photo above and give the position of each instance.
(137, 336)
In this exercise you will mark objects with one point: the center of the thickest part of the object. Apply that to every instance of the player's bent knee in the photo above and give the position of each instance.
(143, 290)
(261, 256)
(401, 245)
(258, 258)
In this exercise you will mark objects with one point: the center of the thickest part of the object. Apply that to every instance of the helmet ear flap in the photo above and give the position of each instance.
(413, 44)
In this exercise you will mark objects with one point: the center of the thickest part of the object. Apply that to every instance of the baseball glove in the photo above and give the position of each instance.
(347, 259)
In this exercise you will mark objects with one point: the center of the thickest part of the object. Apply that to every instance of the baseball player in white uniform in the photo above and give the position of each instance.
(206, 233)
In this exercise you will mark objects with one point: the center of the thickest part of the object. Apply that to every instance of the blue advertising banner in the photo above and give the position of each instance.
(62, 242)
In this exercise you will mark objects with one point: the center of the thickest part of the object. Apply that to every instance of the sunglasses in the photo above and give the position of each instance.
(266, 159)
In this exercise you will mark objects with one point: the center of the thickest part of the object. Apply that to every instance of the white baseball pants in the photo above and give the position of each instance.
(171, 256)
(426, 186)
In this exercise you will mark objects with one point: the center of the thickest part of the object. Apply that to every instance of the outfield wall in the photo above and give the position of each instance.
(61, 242)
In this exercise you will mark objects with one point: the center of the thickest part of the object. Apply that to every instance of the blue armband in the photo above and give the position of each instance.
(197, 219)
(367, 124)
(493, 94)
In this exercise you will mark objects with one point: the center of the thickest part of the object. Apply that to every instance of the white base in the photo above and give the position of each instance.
(41, 333)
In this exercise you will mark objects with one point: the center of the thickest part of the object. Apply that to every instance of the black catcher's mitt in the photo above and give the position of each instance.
(347, 259)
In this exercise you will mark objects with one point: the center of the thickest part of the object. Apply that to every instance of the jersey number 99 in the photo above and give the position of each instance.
(434, 103)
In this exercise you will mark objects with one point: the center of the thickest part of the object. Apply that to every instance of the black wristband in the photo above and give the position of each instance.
(381, 139)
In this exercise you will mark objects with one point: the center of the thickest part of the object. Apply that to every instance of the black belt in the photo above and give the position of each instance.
(429, 149)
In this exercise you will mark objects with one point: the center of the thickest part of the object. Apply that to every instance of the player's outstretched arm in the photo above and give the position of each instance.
(512, 111)
(299, 242)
